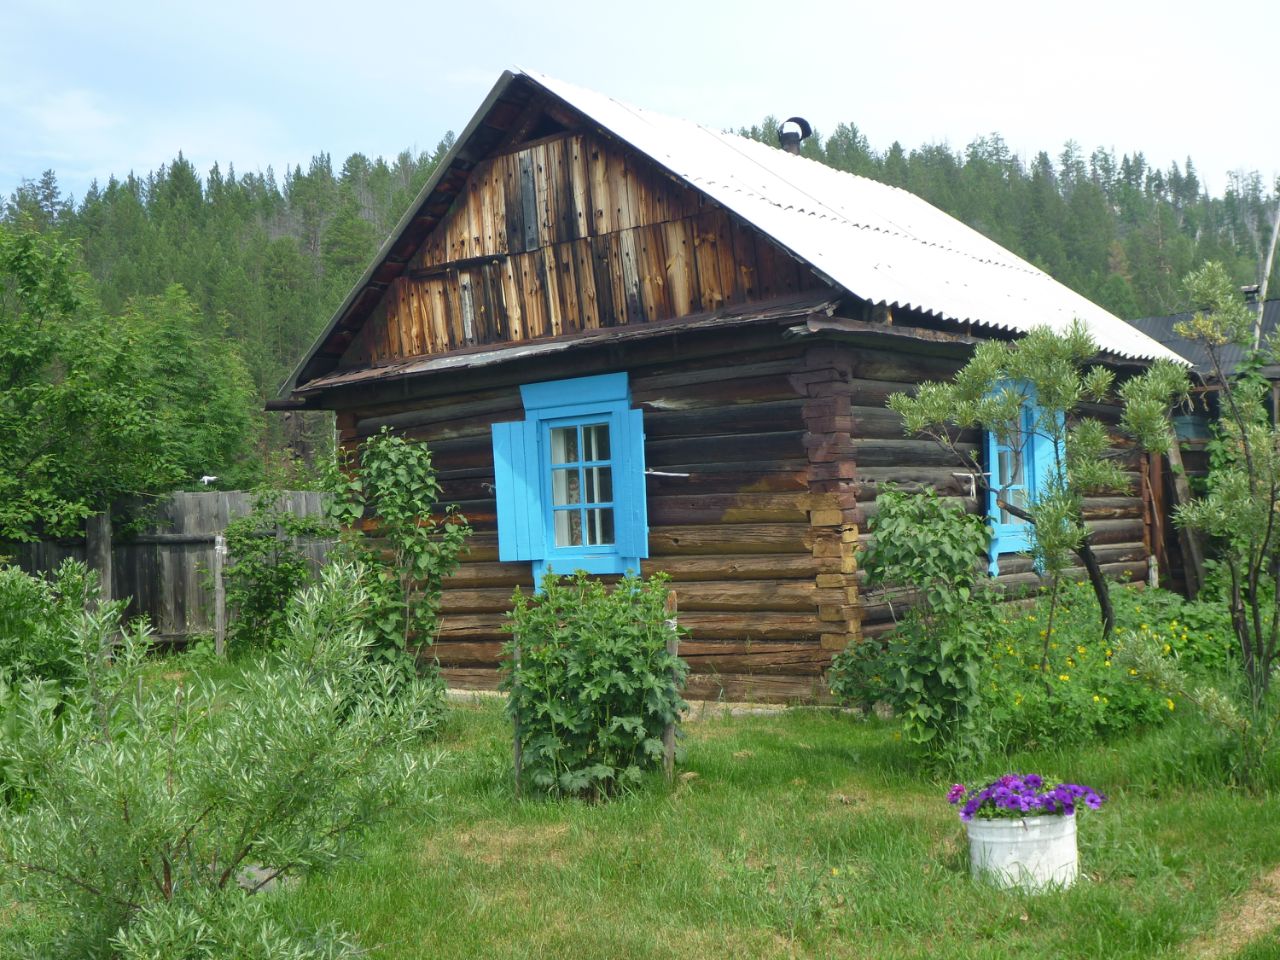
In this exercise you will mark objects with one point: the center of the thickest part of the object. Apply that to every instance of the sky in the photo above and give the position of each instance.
(91, 89)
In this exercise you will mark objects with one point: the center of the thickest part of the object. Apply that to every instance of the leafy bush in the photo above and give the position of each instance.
(594, 687)
(35, 616)
(152, 801)
(417, 543)
(931, 670)
(1083, 691)
(267, 566)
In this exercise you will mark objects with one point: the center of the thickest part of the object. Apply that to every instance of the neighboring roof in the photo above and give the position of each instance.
(1161, 329)
(882, 244)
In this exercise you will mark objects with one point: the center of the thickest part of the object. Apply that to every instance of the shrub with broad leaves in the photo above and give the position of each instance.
(594, 686)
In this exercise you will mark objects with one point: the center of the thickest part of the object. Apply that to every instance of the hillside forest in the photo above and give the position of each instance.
(250, 266)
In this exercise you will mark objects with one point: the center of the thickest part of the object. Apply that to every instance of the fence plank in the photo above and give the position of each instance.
(165, 568)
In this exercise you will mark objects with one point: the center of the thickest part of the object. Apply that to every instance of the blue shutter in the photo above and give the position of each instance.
(632, 510)
(517, 478)
(1046, 456)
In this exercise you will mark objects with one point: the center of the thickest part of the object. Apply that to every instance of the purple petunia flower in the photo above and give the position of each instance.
(1013, 795)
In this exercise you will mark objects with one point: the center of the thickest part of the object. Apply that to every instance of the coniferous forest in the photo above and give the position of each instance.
(265, 259)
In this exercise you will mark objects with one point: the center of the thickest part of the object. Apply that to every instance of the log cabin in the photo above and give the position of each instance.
(636, 343)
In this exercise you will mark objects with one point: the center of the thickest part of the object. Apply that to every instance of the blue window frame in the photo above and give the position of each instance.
(569, 478)
(1020, 467)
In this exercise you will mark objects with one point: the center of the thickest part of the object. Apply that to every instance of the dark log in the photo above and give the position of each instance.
(778, 567)
(738, 538)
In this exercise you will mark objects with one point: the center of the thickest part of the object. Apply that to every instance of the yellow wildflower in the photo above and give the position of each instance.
(1106, 663)
(1064, 677)
(1168, 703)
(1133, 672)
(1080, 650)
(1096, 698)
(1166, 648)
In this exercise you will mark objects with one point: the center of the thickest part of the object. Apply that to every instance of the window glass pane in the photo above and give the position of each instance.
(566, 487)
(599, 485)
(568, 528)
(564, 444)
(599, 527)
(595, 442)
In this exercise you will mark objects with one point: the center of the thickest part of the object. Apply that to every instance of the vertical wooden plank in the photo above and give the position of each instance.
(744, 259)
(466, 300)
(580, 188)
(457, 327)
(619, 195)
(533, 295)
(730, 278)
(551, 285)
(490, 201)
(679, 262)
(548, 201)
(219, 597)
(439, 314)
(602, 211)
(517, 747)
(585, 280)
(492, 306)
(560, 154)
(97, 544)
(602, 275)
(653, 279)
(513, 203)
(529, 199)
(512, 300)
(704, 251)
(669, 731)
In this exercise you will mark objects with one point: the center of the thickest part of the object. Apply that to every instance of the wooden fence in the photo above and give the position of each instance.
(166, 569)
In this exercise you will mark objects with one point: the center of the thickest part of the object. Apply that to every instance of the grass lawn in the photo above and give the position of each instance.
(801, 834)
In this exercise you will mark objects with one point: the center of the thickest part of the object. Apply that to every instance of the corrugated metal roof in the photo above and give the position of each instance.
(1231, 355)
(881, 243)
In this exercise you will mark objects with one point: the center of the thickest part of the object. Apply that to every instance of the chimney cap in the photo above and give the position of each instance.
(791, 131)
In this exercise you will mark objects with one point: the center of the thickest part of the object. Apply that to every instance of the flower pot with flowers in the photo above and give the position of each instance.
(1022, 830)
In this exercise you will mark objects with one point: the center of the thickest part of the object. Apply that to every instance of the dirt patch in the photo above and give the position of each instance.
(1243, 920)
(495, 843)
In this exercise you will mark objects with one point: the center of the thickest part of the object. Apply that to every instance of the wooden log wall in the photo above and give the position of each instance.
(766, 460)
(735, 519)
(568, 234)
(884, 454)
(164, 569)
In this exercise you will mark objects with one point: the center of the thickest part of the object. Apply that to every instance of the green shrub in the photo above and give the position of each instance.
(154, 801)
(595, 686)
(416, 545)
(266, 566)
(35, 616)
(930, 672)
(1085, 692)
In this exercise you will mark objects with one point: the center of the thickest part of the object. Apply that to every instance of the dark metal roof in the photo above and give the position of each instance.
(1161, 329)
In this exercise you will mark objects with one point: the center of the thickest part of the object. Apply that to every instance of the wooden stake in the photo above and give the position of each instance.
(219, 596)
(517, 750)
(97, 539)
(1188, 540)
(669, 733)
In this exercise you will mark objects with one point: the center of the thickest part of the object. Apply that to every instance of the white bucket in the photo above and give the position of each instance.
(1032, 853)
